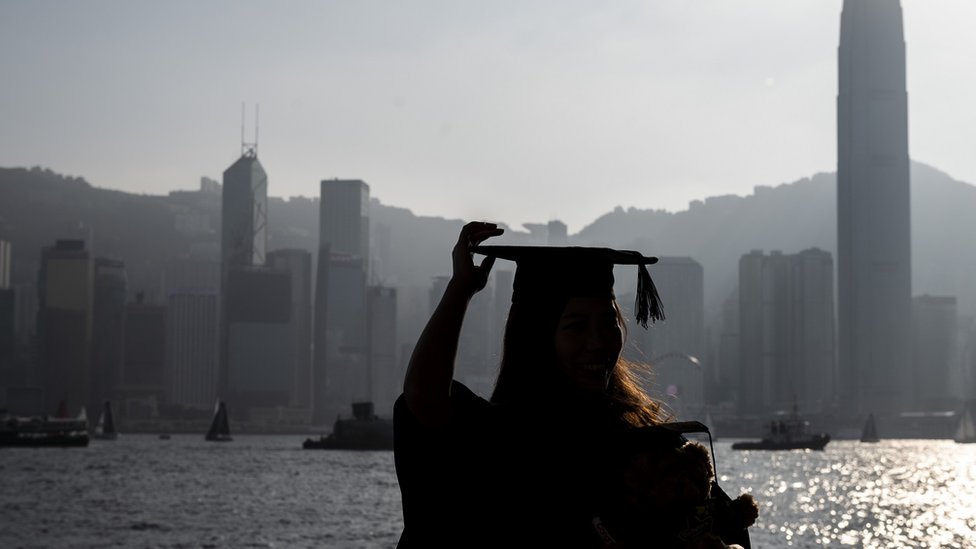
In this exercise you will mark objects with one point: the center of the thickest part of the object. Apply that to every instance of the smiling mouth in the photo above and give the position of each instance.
(595, 366)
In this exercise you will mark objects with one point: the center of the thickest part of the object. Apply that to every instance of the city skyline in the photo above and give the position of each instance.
(449, 110)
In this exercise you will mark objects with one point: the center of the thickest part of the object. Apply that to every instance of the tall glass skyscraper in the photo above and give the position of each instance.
(873, 211)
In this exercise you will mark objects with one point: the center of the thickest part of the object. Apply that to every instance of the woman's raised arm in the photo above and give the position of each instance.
(427, 384)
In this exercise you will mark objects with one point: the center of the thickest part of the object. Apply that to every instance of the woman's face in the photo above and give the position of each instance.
(588, 341)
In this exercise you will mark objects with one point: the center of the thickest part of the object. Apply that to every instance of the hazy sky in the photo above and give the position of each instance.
(507, 110)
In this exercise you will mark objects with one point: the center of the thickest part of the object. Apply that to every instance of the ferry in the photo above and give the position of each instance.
(43, 431)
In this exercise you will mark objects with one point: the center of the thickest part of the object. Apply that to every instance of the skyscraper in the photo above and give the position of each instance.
(243, 223)
(144, 370)
(191, 347)
(108, 332)
(64, 324)
(5, 248)
(243, 237)
(786, 332)
(192, 332)
(259, 344)
(935, 332)
(298, 265)
(339, 337)
(873, 211)
(385, 375)
(7, 315)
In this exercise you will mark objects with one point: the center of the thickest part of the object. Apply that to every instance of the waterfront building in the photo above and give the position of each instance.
(557, 233)
(144, 368)
(260, 347)
(192, 332)
(339, 333)
(786, 332)
(5, 255)
(108, 353)
(935, 329)
(386, 377)
(298, 265)
(64, 324)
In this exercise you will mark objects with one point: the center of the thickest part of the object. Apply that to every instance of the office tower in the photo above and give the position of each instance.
(260, 348)
(556, 233)
(344, 217)
(381, 267)
(64, 324)
(7, 336)
(386, 378)
(727, 375)
(786, 332)
(935, 329)
(298, 265)
(7, 313)
(339, 336)
(345, 378)
(243, 222)
(676, 346)
(192, 332)
(108, 335)
(5, 248)
(873, 211)
(243, 240)
(144, 367)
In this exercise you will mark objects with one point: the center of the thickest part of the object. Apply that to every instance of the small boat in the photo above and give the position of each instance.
(105, 429)
(44, 431)
(220, 426)
(870, 432)
(364, 431)
(164, 436)
(966, 432)
(792, 433)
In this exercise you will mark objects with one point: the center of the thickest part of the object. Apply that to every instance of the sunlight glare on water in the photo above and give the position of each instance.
(905, 493)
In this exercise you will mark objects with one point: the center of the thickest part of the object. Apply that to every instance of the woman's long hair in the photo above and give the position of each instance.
(529, 375)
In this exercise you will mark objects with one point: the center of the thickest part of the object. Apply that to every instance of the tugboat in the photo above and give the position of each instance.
(365, 431)
(790, 434)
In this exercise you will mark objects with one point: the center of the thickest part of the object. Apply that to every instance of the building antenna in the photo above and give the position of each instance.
(242, 128)
(249, 150)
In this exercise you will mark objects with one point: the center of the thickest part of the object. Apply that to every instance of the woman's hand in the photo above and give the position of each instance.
(468, 277)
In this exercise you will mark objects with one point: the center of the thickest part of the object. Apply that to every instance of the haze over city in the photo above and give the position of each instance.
(451, 109)
(183, 299)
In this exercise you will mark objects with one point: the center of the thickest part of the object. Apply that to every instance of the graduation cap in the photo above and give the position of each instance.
(573, 271)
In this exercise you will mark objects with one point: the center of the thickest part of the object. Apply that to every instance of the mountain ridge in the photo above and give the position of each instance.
(38, 205)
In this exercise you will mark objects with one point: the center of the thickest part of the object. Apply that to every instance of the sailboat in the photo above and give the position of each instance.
(105, 430)
(220, 426)
(870, 432)
(966, 432)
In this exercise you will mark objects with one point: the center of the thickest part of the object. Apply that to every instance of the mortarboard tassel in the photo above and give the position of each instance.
(648, 305)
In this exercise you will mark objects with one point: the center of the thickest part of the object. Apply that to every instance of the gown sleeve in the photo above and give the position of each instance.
(439, 471)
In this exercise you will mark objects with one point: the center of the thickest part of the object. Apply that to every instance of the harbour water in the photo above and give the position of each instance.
(265, 491)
